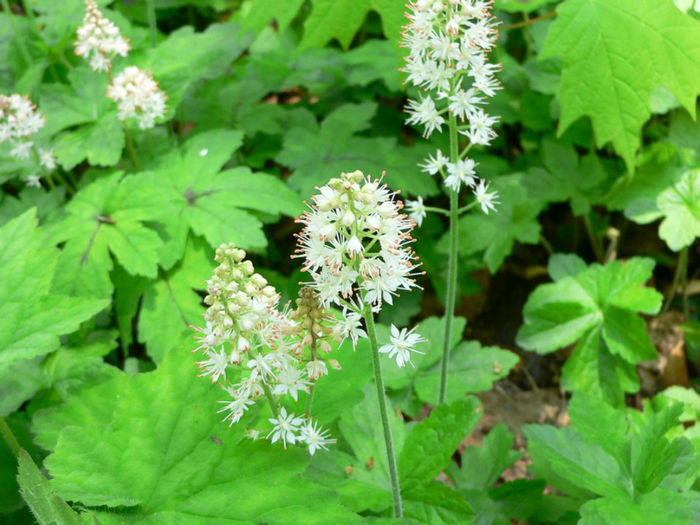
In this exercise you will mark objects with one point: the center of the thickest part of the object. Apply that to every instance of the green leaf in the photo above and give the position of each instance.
(520, 6)
(435, 502)
(575, 459)
(336, 149)
(660, 506)
(261, 12)
(432, 442)
(677, 203)
(483, 465)
(171, 459)
(472, 369)
(514, 220)
(45, 505)
(31, 318)
(106, 217)
(171, 306)
(195, 195)
(341, 19)
(613, 51)
(595, 306)
(565, 177)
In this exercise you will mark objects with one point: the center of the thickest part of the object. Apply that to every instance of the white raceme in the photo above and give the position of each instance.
(448, 43)
(99, 40)
(137, 96)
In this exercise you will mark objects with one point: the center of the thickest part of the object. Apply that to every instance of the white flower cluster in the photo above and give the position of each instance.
(355, 246)
(99, 40)
(262, 349)
(448, 42)
(137, 95)
(19, 120)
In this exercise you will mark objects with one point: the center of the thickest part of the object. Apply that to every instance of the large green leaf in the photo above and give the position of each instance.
(31, 318)
(158, 450)
(616, 53)
(595, 306)
(601, 455)
(432, 442)
(194, 195)
(171, 306)
(106, 216)
(514, 220)
(660, 506)
(337, 148)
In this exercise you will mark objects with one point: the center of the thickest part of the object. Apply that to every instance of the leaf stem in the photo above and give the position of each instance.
(130, 147)
(151, 14)
(467, 207)
(9, 437)
(451, 293)
(383, 412)
(547, 246)
(679, 279)
(594, 240)
(528, 21)
(20, 40)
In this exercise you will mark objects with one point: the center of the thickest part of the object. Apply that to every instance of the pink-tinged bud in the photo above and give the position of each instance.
(243, 344)
(334, 364)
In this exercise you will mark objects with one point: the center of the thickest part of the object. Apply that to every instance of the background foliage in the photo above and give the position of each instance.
(598, 160)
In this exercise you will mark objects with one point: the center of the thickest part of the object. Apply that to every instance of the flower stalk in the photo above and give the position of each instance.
(383, 412)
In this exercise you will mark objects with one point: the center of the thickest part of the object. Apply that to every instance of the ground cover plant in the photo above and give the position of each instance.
(334, 261)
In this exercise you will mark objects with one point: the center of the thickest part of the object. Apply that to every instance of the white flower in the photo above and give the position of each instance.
(401, 345)
(316, 369)
(285, 427)
(137, 95)
(21, 149)
(481, 128)
(462, 172)
(416, 210)
(368, 224)
(487, 200)
(215, 364)
(424, 112)
(350, 325)
(434, 164)
(290, 381)
(464, 103)
(235, 408)
(99, 39)
(47, 158)
(316, 438)
(33, 181)
(19, 119)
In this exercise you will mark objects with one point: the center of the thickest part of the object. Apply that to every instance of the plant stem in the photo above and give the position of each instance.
(451, 268)
(547, 246)
(130, 147)
(151, 14)
(528, 21)
(594, 241)
(437, 210)
(383, 412)
(9, 437)
(20, 40)
(310, 397)
(270, 399)
(679, 277)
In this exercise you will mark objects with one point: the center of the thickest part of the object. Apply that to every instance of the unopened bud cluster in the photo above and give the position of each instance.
(99, 40)
(255, 350)
(136, 93)
(19, 120)
(448, 42)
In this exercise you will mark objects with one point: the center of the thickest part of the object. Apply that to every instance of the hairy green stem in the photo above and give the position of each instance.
(9, 436)
(451, 293)
(151, 14)
(437, 210)
(383, 411)
(18, 35)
